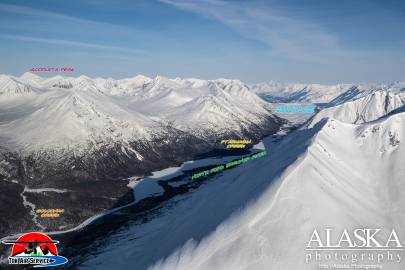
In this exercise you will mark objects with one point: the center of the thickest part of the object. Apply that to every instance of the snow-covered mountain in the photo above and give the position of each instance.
(205, 108)
(362, 90)
(334, 174)
(348, 177)
(319, 93)
(11, 86)
(365, 109)
(297, 92)
(68, 111)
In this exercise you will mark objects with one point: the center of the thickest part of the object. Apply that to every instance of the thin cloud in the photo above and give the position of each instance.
(15, 9)
(284, 35)
(64, 42)
(50, 15)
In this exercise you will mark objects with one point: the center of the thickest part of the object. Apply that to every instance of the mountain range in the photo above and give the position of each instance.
(321, 93)
(341, 170)
(82, 135)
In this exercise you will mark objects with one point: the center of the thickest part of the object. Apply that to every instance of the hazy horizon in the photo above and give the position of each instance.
(48, 75)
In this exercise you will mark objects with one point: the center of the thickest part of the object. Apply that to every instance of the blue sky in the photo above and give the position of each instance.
(287, 40)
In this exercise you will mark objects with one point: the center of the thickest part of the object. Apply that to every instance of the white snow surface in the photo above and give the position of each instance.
(312, 93)
(321, 93)
(365, 109)
(261, 214)
(61, 111)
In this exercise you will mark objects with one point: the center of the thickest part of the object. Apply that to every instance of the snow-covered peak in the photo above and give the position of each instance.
(59, 81)
(365, 109)
(130, 85)
(141, 78)
(163, 82)
(83, 78)
(10, 86)
(69, 117)
(29, 77)
(229, 84)
(320, 93)
(72, 110)
(297, 92)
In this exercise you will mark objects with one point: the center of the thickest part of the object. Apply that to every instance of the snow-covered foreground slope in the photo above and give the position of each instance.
(261, 215)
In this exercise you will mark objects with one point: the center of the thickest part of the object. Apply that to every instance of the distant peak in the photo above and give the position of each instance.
(161, 78)
(4, 76)
(228, 81)
(57, 77)
(142, 77)
(30, 76)
(84, 77)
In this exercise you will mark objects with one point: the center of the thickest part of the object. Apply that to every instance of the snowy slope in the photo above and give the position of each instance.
(70, 117)
(296, 92)
(220, 110)
(365, 109)
(350, 177)
(31, 78)
(318, 93)
(68, 110)
(10, 86)
(362, 90)
(261, 215)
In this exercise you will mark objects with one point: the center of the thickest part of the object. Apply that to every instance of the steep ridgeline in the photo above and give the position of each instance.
(364, 109)
(68, 142)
